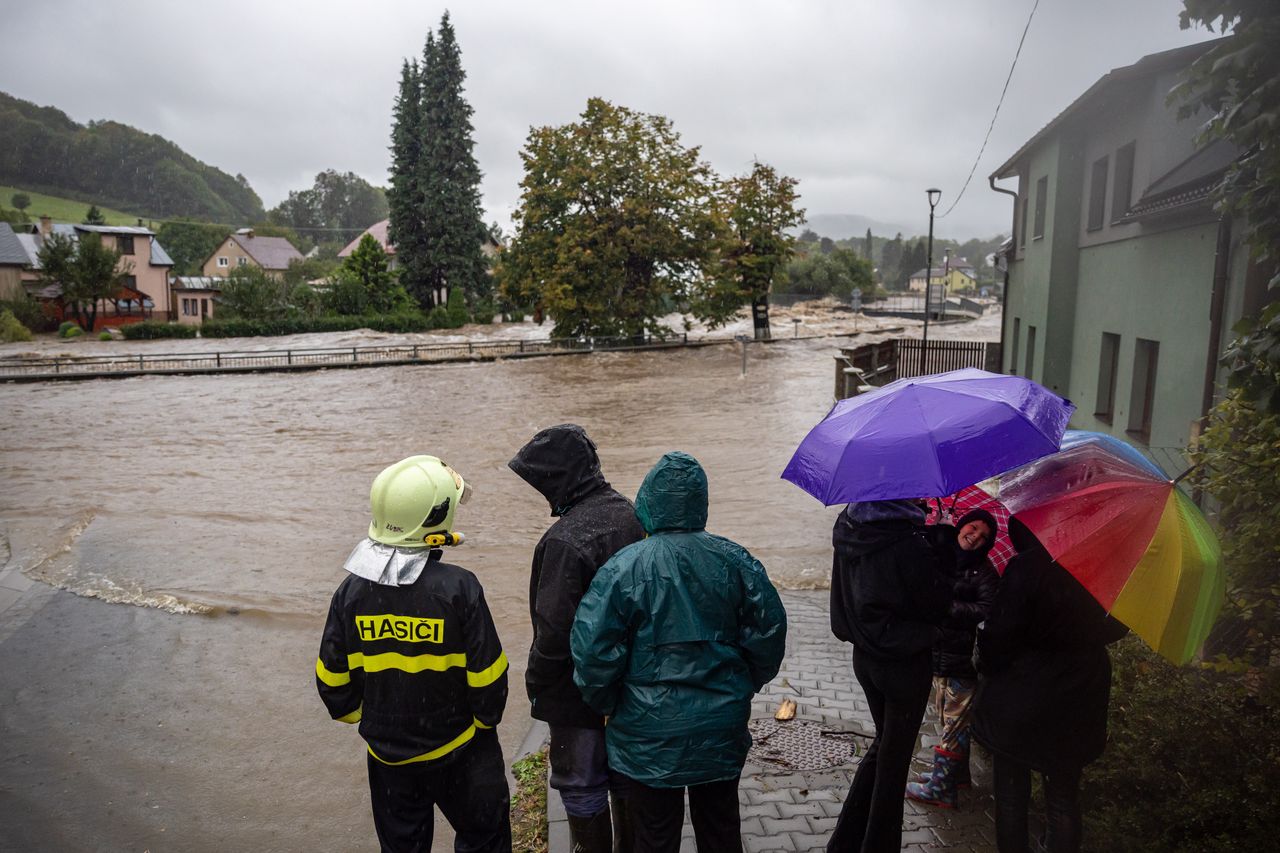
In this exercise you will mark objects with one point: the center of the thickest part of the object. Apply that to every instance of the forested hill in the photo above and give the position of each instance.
(105, 162)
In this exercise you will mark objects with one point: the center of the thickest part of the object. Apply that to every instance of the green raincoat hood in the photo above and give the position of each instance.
(674, 495)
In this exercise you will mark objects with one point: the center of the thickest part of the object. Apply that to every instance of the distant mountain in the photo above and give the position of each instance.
(842, 226)
(109, 163)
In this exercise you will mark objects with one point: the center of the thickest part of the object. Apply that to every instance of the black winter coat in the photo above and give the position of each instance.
(419, 667)
(889, 589)
(1046, 677)
(974, 582)
(594, 522)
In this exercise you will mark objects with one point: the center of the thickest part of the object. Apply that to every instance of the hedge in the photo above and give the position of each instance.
(278, 326)
(153, 329)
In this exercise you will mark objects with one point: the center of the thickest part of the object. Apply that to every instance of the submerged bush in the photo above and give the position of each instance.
(11, 328)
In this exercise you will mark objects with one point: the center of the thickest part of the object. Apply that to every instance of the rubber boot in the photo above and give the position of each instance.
(622, 841)
(940, 790)
(591, 834)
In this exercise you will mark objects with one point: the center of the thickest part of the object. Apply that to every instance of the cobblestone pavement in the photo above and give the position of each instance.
(785, 808)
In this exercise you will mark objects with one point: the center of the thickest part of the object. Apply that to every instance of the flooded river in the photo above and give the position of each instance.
(223, 507)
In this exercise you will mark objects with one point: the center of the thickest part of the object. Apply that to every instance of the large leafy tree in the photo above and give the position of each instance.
(839, 273)
(617, 220)
(338, 206)
(758, 208)
(86, 270)
(448, 176)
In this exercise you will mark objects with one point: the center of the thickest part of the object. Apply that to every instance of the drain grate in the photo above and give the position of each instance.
(800, 745)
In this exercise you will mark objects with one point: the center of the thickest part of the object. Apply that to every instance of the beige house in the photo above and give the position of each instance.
(244, 248)
(145, 293)
(193, 297)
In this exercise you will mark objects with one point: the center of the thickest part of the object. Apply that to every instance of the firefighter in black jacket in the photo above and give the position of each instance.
(411, 654)
(593, 521)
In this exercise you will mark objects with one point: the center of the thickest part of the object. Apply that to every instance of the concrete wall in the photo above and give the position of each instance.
(1158, 288)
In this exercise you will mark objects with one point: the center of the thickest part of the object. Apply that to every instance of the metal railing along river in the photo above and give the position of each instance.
(312, 358)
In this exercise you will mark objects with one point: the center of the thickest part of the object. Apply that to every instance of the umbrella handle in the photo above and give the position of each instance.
(1178, 479)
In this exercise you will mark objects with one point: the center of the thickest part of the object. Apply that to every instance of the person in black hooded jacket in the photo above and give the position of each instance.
(974, 584)
(593, 522)
(889, 593)
(1045, 684)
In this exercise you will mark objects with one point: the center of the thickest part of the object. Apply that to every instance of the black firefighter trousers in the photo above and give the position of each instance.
(470, 787)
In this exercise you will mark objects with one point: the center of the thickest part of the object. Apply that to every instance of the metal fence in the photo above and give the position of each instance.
(941, 356)
(304, 358)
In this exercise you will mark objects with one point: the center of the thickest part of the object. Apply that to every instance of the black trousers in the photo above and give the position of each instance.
(1013, 798)
(470, 787)
(897, 692)
(657, 816)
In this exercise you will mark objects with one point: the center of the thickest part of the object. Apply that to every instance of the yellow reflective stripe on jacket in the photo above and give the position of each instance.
(353, 717)
(333, 679)
(405, 663)
(489, 675)
(438, 752)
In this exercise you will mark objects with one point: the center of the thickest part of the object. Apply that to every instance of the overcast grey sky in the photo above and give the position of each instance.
(867, 104)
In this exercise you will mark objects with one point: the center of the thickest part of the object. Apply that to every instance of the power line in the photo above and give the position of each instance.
(991, 126)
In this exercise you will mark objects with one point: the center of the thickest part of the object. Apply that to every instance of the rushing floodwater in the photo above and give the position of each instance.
(246, 492)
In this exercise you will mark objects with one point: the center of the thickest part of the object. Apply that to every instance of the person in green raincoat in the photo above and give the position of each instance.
(675, 635)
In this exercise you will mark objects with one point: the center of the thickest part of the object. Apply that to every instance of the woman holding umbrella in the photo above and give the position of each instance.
(1046, 682)
(889, 593)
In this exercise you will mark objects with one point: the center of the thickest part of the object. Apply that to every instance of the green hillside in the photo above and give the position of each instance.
(114, 165)
(62, 209)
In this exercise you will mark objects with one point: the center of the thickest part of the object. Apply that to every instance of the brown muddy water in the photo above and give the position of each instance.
(223, 507)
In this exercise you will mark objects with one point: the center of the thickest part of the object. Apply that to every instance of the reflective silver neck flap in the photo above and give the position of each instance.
(387, 564)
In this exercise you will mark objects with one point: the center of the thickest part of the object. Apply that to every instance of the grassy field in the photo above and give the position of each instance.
(62, 209)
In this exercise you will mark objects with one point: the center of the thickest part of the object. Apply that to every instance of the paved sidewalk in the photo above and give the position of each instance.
(795, 810)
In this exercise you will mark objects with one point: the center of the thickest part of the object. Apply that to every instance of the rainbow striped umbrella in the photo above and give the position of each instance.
(1118, 523)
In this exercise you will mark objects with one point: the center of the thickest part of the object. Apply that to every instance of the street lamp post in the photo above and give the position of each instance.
(934, 196)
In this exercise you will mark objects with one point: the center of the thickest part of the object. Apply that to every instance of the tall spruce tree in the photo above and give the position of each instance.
(867, 246)
(404, 198)
(448, 177)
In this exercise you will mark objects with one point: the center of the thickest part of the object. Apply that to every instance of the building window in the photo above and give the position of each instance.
(1031, 351)
(240, 262)
(186, 307)
(1013, 352)
(1124, 182)
(223, 262)
(1042, 206)
(1022, 228)
(1098, 194)
(1108, 360)
(124, 244)
(1142, 397)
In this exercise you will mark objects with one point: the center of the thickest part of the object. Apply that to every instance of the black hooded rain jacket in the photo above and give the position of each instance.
(594, 521)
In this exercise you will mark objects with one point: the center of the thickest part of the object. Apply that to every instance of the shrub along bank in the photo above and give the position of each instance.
(242, 328)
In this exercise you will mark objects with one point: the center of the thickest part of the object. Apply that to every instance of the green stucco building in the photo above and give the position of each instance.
(1123, 281)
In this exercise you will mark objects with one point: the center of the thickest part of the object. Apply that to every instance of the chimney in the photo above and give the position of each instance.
(46, 226)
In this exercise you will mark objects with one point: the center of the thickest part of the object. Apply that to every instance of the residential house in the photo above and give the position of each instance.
(194, 297)
(13, 257)
(1123, 280)
(954, 278)
(145, 292)
(378, 230)
(244, 248)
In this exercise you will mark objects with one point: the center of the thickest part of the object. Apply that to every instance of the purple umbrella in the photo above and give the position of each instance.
(928, 436)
